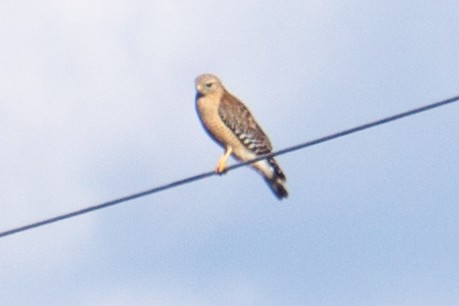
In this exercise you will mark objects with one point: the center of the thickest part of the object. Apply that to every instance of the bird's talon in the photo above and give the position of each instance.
(221, 166)
(221, 169)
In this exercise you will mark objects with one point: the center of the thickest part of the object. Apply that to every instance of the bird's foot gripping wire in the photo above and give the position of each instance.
(221, 166)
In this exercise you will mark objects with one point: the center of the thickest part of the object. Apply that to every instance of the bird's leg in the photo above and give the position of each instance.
(221, 166)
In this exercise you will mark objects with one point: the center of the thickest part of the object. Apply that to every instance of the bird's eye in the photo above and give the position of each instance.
(208, 85)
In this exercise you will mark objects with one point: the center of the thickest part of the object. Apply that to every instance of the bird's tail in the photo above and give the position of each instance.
(277, 180)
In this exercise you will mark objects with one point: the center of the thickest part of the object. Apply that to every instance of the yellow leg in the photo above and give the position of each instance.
(222, 162)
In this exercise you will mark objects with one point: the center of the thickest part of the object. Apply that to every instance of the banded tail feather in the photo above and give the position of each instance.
(277, 182)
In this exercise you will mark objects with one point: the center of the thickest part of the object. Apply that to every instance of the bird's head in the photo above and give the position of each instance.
(208, 84)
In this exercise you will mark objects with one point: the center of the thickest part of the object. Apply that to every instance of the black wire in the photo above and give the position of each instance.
(347, 132)
(208, 174)
(106, 204)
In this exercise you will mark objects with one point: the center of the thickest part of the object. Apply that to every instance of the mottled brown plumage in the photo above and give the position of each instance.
(229, 122)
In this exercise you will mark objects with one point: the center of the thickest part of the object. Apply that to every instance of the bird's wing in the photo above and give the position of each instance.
(240, 121)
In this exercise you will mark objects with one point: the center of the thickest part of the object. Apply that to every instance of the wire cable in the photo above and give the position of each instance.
(233, 167)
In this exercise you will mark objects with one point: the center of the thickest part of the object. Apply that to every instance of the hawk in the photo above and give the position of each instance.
(229, 122)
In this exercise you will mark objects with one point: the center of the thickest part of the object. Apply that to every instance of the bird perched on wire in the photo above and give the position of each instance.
(229, 122)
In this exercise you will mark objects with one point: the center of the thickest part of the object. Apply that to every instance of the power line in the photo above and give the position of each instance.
(348, 131)
(233, 167)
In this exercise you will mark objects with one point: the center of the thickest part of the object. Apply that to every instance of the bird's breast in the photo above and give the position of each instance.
(208, 113)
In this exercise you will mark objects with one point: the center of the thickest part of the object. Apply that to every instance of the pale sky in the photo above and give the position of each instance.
(97, 103)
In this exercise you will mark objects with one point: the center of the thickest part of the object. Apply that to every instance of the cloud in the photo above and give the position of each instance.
(97, 103)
